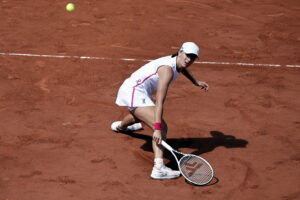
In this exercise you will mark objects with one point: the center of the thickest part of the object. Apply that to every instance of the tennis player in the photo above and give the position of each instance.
(136, 94)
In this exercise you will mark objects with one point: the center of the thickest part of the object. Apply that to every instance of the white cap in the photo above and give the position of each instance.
(190, 47)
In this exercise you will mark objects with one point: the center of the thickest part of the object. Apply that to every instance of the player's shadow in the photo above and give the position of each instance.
(199, 145)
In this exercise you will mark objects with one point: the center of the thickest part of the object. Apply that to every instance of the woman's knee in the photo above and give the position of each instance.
(145, 114)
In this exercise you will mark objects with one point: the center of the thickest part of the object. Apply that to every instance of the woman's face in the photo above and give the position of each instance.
(184, 60)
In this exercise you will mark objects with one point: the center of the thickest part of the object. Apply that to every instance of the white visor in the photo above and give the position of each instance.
(190, 48)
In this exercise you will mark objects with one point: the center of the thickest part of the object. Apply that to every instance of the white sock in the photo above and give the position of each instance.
(158, 162)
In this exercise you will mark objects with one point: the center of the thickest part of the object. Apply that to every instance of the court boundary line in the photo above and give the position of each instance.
(134, 59)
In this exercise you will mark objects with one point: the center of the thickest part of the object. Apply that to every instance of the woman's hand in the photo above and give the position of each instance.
(157, 136)
(203, 85)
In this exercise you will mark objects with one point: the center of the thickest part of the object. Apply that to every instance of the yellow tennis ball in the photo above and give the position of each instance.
(70, 7)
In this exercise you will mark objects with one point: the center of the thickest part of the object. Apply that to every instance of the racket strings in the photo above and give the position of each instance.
(196, 169)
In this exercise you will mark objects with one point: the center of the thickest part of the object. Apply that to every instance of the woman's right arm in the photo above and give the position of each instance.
(165, 74)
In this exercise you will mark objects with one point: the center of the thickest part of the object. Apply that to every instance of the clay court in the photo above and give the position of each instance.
(60, 72)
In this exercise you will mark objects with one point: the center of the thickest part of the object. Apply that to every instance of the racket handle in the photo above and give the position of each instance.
(166, 145)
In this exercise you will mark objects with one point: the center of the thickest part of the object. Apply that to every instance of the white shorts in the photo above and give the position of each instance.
(133, 96)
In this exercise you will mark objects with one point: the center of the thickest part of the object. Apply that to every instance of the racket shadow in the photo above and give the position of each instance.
(214, 181)
(198, 145)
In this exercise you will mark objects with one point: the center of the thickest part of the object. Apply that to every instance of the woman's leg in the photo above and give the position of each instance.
(159, 170)
(147, 115)
(128, 120)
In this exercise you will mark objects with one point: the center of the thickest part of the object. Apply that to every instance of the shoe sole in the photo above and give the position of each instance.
(160, 178)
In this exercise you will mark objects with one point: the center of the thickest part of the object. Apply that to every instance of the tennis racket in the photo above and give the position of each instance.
(194, 168)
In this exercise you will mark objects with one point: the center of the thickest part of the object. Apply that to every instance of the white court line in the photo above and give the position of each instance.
(133, 59)
(242, 64)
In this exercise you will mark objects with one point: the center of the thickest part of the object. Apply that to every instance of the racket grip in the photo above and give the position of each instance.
(166, 145)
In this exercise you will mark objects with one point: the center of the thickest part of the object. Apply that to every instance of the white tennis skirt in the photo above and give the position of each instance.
(133, 95)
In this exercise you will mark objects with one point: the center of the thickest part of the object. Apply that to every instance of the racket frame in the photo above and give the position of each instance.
(169, 148)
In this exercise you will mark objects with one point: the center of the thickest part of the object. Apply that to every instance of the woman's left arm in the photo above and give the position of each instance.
(189, 76)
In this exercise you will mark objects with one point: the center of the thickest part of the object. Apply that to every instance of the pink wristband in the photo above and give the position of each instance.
(157, 126)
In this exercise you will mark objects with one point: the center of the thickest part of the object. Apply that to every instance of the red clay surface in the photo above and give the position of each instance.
(55, 114)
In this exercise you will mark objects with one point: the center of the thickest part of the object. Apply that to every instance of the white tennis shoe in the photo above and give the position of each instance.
(131, 128)
(164, 173)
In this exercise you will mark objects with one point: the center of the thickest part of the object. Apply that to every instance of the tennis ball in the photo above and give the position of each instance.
(70, 7)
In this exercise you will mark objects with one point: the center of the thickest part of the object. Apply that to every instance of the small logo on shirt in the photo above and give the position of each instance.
(138, 81)
(144, 101)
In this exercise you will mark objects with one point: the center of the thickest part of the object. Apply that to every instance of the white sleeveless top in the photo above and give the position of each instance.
(137, 90)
